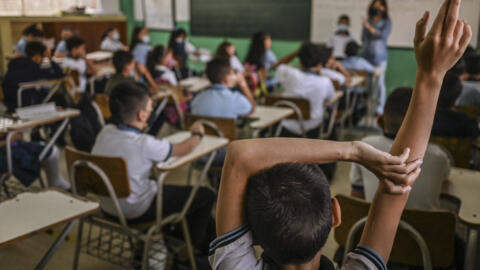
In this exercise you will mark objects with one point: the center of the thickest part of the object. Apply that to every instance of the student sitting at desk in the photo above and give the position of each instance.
(219, 100)
(355, 62)
(449, 123)
(470, 95)
(140, 47)
(307, 83)
(260, 57)
(271, 194)
(31, 33)
(62, 50)
(181, 48)
(111, 40)
(436, 164)
(228, 50)
(76, 61)
(28, 69)
(334, 70)
(159, 64)
(124, 70)
(341, 38)
(131, 106)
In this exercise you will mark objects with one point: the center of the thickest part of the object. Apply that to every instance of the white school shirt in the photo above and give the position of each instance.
(79, 65)
(236, 64)
(141, 152)
(167, 75)
(112, 45)
(333, 75)
(426, 191)
(338, 43)
(317, 89)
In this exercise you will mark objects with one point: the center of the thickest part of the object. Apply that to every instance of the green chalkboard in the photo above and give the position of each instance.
(283, 19)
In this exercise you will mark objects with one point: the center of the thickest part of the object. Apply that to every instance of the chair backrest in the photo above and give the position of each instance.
(102, 101)
(472, 111)
(87, 180)
(361, 73)
(436, 227)
(337, 85)
(302, 104)
(227, 126)
(459, 148)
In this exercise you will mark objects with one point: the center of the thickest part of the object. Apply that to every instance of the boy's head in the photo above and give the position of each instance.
(313, 57)
(395, 110)
(130, 104)
(352, 49)
(32, 33)
(35, 51)
(67, 32)
(451, 89)
(290, 212)
(123, 62)
(76, 47)
(473, 65)
(219, 71)
(344, 19)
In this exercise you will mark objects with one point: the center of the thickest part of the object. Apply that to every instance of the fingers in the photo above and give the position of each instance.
(421, 29)
(452, 17)
(403, 169)
(458, 33)
(404, 156)
(396, 160)
(466, 37)
(397, 189)
(437, 27)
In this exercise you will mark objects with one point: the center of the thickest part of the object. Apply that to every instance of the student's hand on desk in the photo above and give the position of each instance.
(198, 127)
(142, 70)
(397, 175)
(439, 49)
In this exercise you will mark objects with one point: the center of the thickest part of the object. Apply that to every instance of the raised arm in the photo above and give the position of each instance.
(247, 157)
(436, 53)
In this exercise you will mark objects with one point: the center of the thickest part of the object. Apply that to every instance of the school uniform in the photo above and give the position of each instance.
(316, 88)
(333, 75)
(62, 47)
(219, 101)
(140, 53)
(163, 74)
(110, 44)
(357, 63)
(426, 191)
(115, 80)
(470, 95)
(338, 43)
(20, 46)
(269, 60)
(234, 251)
(141, 152)
(79, 65)
(236, 64)
(22, 70)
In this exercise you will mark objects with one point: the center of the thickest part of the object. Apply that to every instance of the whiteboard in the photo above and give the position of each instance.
(403, 13)
(182, 10)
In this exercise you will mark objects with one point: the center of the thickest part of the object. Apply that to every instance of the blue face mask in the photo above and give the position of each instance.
(116, 36)
(146, 39)
(132, 74)
(343, 27)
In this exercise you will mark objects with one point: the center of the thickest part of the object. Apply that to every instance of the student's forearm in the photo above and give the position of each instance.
(414, 134)
(285, 60)
(185, 147)
(248, 94)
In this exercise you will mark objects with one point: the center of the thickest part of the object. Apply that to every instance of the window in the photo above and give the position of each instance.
(43, 7)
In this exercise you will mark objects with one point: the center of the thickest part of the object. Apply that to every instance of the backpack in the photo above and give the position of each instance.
(85, 127)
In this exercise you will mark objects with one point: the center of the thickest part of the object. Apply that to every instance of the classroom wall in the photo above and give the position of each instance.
(401, 67)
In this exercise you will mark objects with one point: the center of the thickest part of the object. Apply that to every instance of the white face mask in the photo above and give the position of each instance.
(146, 39)
(116, 36)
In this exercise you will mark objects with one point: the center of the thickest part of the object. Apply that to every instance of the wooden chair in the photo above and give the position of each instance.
(51, 85)
(472, 111)
(100, 78)
(221, 127)
(459, 148)
(110, 239)
(102, 102)
(420, 241)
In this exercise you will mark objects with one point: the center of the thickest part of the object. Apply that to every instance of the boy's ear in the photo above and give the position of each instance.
(380, 121)
(336, 213)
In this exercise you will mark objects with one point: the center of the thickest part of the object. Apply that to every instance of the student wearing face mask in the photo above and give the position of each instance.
(376, 30)
(140, 47)
(181, 48)
(160, 63)
(67, 32)
(341, 38)
(111, 40)
(125, 70)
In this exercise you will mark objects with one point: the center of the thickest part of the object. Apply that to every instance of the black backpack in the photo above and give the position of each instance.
(85, 127)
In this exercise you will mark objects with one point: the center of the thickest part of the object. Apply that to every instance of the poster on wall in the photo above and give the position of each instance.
(157, 14)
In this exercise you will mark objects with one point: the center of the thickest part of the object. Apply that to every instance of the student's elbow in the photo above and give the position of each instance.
(238, 152)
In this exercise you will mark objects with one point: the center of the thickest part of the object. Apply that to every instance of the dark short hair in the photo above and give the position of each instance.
(311, 55)
(74, 42)
(155, 56)
(459, 68)
(451, 89)
(218, 69)
(121, 59)
(35, 48)
(126, 100)
(352, 49)
(396, 108)
(473, 64)
(343, 17)
(33, 31)
(289, 211)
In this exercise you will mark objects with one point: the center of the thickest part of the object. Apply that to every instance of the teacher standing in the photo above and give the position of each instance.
(376, 30)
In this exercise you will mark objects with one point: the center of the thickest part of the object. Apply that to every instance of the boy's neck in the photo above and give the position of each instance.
(312, 265)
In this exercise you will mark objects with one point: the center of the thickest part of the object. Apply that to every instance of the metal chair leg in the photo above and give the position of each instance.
(78, 245)
(186, 234)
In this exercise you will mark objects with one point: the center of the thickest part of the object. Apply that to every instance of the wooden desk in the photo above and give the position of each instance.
(30, 213)
(195, 84)
(465, 186)
(99, 56)
(267, 116)
(357, 81)
(336, 98)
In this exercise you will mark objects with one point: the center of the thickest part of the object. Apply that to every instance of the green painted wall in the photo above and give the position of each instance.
(401, 66)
